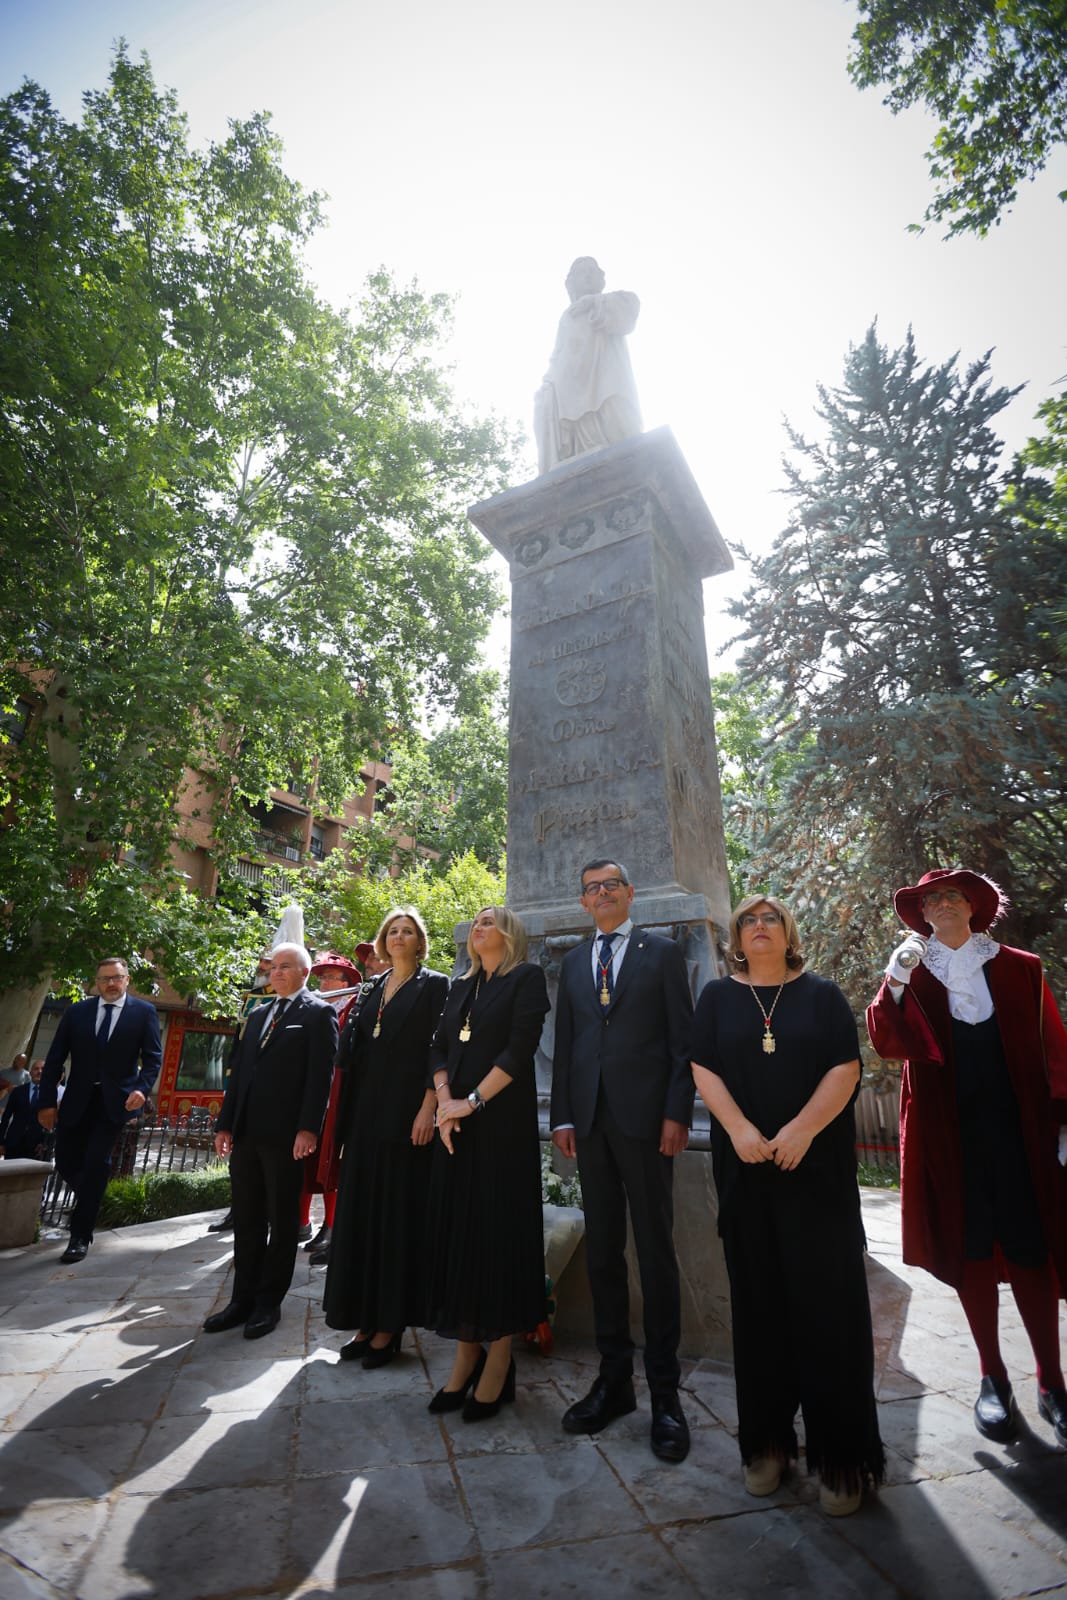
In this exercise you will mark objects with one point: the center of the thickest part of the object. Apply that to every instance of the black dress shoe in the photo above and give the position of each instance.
(77, 1250)
(452, 1399)
(225, 1226)
(995, 1415)
(262, 1321)
(480, 1410)
(230, 1316)
(604, 1402)
(670, 1431)
(381, 1355)
(355, 1349)
(303, 1233)
(321, 1240)
(1052, 1404)
(320, 1258)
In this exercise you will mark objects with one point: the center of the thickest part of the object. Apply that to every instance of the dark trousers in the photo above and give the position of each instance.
(83, 1159)
(617, 1171)
(265, 1184)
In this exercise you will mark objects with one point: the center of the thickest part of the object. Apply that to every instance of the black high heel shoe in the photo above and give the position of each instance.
(355, 1349)
(381, 1355)
(452, 1399)
(479, 1410)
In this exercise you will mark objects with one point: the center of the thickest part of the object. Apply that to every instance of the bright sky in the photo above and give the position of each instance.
(713, 155)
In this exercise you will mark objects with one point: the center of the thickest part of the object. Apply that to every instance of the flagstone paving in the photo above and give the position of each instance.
(140, 1457)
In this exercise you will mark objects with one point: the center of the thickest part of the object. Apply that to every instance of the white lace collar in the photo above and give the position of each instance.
(960, 971)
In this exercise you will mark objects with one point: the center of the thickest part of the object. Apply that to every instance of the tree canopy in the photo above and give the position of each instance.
(232, 517)
(902, 645)
(993, 71)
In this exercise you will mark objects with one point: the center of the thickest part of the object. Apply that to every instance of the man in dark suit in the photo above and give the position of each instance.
(622, 1099)
(270, 1120)
(113, 1044)
(21, 1135)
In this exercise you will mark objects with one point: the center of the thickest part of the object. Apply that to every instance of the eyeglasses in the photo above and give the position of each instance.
(947, 897)
(606, 885)
(753, 919)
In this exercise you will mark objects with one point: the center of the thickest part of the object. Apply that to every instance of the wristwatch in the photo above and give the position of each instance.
(475, 1101)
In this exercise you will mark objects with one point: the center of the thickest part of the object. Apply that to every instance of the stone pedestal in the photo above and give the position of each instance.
(22, 1183)
(612, 748)
(612, 734)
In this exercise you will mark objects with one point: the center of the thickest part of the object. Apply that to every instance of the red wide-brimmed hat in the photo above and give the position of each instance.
(364, 950)
(988, 900)
(330, 961)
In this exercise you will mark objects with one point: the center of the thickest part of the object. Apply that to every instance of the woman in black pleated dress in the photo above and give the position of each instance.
(487, 1266)
(776, 1061)
(376, 1280)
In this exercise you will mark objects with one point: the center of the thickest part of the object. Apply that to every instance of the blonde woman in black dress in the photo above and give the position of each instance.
(376, 1279)
(487, 1267)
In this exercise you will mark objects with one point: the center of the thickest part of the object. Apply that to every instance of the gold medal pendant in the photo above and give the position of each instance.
(464, 1033)
(378, 1029)
(768, 1043)
(605, 998)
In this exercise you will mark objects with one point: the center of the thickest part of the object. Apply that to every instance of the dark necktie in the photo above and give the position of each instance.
(275, 1018)
(607, 982)
(103, 1031)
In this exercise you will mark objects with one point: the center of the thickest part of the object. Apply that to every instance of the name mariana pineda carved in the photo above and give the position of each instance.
(564, 773)
(577, 819)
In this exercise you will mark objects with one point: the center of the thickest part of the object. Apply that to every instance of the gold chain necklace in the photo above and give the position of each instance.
(768, 1037)
(385, 999)
(465, 1030)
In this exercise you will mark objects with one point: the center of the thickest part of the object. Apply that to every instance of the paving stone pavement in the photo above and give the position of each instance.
(140, 1457)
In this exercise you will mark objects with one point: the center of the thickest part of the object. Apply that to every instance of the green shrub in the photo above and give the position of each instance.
(556, 1190)
(154, 1196)
(877, 1177)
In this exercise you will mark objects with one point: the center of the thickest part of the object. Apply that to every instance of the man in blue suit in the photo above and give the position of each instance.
(622, 1100)
(20, 1133)
(112, 1041)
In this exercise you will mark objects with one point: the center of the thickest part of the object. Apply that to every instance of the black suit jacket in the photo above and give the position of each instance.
(637, 1047)
(20, 1132)
(292, 1072)
(506, 1031)
(130, 1060)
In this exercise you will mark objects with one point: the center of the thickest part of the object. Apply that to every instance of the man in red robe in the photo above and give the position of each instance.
(983, 1108)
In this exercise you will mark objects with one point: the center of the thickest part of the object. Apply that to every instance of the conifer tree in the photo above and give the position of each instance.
(906, 621)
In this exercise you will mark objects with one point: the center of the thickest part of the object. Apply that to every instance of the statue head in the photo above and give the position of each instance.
(585, 277)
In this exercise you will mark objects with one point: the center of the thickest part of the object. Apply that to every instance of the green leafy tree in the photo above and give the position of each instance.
(342, 909)
(232, 520)
(905, 625)
(755, 764)
(993, 71)
(448, 792)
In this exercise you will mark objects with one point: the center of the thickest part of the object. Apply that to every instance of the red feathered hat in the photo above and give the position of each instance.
(330, 961)
(988, 900)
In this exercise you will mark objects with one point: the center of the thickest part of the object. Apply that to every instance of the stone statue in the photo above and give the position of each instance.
(587, 398)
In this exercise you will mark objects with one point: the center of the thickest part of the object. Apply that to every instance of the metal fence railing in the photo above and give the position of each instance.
(151, 1144)
(878, 1126)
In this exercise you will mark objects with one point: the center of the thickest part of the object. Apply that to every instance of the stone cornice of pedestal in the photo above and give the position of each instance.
(647, 461)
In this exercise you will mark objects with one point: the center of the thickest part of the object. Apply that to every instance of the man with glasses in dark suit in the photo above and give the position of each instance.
(112, 1040)
(622, 1100)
